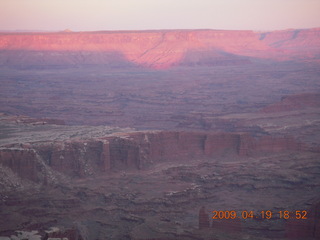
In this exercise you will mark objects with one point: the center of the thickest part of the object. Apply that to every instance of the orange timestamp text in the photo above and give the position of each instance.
(268, 214)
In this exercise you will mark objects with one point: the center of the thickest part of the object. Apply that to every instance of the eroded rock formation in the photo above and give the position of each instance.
(204, 222)
(22, 161)
(157, 49)
(136, 150)
(294, 102)
(70, 234)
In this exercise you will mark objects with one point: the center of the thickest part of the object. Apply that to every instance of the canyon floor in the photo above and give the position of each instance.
(150, 151)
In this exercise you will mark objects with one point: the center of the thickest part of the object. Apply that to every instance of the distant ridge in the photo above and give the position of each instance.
(154, 30)
(157, 48)
(67, 30)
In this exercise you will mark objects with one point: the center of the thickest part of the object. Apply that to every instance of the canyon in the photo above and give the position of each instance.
(143, 134)
(156, 49)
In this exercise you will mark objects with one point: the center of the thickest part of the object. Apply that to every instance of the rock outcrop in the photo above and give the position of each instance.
(295, 40)
(70, 234)
(294, 102)
(22, 161)
(136, 150)
(215, 150)
(204, 222)
(157, 49)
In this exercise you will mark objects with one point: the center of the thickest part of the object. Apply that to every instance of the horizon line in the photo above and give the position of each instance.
(151, 30)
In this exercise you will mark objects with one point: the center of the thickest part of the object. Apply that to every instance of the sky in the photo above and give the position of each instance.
(94, 15)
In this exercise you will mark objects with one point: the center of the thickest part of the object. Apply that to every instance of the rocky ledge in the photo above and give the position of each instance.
(78, 151)
(102, 182)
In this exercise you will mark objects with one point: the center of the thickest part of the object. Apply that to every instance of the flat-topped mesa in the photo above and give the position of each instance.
(157, 49)
(134, 42)
(294, 39)
(137, 150)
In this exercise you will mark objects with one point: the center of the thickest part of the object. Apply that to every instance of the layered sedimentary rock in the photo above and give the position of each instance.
(22, 161)
(158, 49)
(294, 102)
(204, 222)
(267, 144)
(152, 48)
(94, 183)
(127, 184)
(77, 158)
(297, 40)
(137, 150)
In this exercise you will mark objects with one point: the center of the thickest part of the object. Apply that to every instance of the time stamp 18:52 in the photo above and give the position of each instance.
(299, 214)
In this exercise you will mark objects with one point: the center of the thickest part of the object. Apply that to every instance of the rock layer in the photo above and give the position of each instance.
(294, 102)
(136, 150)
(157, 49)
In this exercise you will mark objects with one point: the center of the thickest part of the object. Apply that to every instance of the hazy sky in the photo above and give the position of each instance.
(81, 15)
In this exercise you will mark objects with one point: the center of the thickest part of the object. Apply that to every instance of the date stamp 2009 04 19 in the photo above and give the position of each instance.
(299, 214)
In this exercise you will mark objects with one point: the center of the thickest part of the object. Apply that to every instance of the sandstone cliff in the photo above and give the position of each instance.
(157, 49)
(137, 150)
(294, 102)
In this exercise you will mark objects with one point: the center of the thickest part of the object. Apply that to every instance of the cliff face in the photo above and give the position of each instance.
(141, 179)
(267, 144)
(296, 40)
(76, 158)
(23, 162)
(136, 150)
(294, 102)
(157, 49)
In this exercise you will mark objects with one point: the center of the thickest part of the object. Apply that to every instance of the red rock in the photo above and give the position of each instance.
(220, 144)
(23, 162)
(294, 102)
(204, 222)
(105, 156)
(296, 40)
(76, 158)
(124, 154)
(170, 145)
(137, 150)
(158, 49)
(246, 145)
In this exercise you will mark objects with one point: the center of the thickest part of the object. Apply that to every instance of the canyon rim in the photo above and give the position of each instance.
(145, 134)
